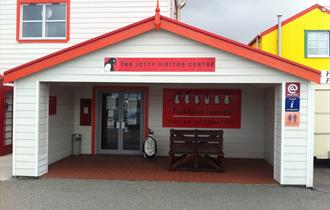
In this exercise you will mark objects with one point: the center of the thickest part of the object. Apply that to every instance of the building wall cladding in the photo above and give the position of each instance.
(61, 124)
(290, 143)
(88, 19)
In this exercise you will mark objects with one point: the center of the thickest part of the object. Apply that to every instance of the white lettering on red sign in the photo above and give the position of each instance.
(292, 89)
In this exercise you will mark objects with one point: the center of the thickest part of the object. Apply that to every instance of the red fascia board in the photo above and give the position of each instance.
(240, 49)
(254, 40)
(79, 49)
(175, 27)
(290, 19)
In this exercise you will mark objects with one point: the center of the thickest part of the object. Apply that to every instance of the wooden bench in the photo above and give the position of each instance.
(190, 148)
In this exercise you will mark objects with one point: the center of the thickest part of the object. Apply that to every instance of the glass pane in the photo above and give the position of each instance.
(323, 51)
(55, 29)
(312, 36)
(110, 121)
(132, 118)
(32, 30)
(312, 44)
(322, 44)
(312, 51)
(323, 36)
(32, 12)
(55, 12)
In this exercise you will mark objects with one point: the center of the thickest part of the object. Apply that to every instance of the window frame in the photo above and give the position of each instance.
(19, 22)
(306, 44)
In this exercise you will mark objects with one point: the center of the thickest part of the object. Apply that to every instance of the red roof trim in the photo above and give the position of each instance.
(170, 25)
(78, 45)
(290, 19)
(243, 50)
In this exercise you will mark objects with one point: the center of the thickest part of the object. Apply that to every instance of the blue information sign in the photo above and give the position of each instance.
(292, 104)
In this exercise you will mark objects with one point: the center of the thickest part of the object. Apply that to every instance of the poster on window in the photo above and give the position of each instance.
(131, 112)
(202, 108)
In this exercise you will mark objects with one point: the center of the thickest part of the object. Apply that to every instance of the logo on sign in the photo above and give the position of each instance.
(109, 64)
(292, 104)
(292, 119)
(293, 89)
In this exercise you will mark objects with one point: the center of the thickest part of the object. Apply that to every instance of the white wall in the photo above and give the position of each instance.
(278, 135)
(86, 131)
(269, 111)
(229, 68)
(43, 128)
(294, 145)
(247, 142)
(30, 137)
(88, 19)
(61, 124)
(24, 136)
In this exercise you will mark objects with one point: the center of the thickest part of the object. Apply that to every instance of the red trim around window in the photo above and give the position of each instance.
(145, 91)
(18, 18)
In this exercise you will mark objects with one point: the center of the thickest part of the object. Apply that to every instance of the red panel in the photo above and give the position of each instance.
(202, 108)
(52, 105)
(160, 64)
(292, 89)
(6, 112)
(85, 111)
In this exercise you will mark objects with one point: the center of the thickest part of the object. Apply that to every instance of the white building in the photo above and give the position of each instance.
(157, 57)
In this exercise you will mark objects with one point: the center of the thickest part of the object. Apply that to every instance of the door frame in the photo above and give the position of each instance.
(120, 136)
(96, 89)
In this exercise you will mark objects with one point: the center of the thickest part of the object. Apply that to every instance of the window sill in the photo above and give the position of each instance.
(311, 56)
(43, 40)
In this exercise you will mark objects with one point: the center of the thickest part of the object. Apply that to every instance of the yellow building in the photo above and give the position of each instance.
(305, 39)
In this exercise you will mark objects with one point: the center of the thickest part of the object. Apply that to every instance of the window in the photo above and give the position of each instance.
(43, 21)
(318, 43)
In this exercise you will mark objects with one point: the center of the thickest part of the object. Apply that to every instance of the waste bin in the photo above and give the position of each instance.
(76, 144)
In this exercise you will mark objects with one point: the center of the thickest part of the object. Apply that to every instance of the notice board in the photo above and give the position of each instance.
(202, 108)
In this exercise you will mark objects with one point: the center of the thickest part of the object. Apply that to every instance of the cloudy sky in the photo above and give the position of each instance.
(241, 20)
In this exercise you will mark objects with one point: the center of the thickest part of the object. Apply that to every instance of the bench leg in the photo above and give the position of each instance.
(195, 162)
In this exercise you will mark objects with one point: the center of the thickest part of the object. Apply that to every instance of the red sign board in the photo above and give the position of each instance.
(202, 108)
(160, 64)
(292, 89)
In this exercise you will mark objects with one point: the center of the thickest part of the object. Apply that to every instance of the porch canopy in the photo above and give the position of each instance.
(84, 71)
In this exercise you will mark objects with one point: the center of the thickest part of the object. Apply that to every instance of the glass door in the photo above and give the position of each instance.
(121, 126)
(110, 121)
(132, 107)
